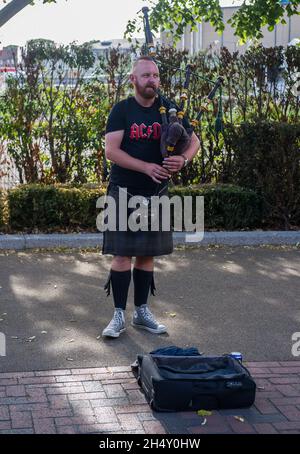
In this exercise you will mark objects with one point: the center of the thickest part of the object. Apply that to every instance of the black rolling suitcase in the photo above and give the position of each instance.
(177, 383)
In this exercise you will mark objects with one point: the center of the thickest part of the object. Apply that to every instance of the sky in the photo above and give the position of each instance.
(72, 20)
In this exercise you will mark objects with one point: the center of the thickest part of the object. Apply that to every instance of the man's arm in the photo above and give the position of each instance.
(114, 153)
(193, 148)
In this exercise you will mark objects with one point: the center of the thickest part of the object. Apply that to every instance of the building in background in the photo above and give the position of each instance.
(10, 56)
(102, 48)
(9, 59)
(206, 36)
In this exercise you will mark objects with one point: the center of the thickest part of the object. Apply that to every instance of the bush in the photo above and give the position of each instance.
(267, 159)
(50, 208)
(226, 206)
(66, 140)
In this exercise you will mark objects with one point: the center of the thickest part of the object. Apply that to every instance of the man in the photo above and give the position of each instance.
(132, 143)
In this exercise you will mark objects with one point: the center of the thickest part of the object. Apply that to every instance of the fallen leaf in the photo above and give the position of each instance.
(204, 413)
(171, 314)
(239, 418)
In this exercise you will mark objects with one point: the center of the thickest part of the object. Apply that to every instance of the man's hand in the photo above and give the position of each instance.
(173, 163)
(156, 172)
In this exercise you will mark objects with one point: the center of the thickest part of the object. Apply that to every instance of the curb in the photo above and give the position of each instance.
(91, 240)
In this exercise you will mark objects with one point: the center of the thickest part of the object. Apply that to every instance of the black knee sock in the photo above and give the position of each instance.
(143, 281)
(120, 281)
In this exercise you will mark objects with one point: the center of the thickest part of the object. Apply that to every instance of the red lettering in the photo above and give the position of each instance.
(145, 132)
(142, 134)
(134, 131)
(149, 131)
(156, 131)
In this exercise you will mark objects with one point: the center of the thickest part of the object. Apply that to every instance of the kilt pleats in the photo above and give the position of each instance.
(138, 243)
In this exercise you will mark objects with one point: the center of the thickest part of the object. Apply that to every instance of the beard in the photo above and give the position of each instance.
(148, 92)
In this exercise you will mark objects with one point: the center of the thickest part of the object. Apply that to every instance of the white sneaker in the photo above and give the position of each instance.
(144, 319)
(116, 326)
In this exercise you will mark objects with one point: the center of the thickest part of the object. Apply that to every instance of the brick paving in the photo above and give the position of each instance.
(107, 400)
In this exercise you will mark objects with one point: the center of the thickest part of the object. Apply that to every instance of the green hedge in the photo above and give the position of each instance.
(34, 208)
(51, 208)
(267, 160)
(226, 206)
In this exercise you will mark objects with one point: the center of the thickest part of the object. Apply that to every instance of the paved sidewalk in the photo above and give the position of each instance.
(53, 306)
(219, 299)
(107, 400)
(90, 240)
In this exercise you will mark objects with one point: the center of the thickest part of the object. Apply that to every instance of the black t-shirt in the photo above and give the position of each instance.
(141, 140)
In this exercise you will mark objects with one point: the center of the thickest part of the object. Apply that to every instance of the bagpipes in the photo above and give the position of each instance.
(175, 138)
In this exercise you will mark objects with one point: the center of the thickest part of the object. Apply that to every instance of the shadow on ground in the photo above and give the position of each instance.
(53, 306)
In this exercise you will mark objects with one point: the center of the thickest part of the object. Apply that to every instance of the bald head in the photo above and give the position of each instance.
(145, 78)
(143, 59)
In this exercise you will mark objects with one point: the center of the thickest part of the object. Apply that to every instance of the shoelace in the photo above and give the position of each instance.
(117, 320)
(148, 314)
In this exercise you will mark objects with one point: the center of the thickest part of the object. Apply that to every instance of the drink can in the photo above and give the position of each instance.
(237, 355)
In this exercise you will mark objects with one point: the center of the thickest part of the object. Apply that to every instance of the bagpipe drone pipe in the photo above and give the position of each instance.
(175, 138)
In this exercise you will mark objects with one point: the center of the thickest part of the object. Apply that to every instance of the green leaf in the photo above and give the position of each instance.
(204, 413)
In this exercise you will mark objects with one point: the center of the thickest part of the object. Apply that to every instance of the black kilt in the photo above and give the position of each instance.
(139, 243)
